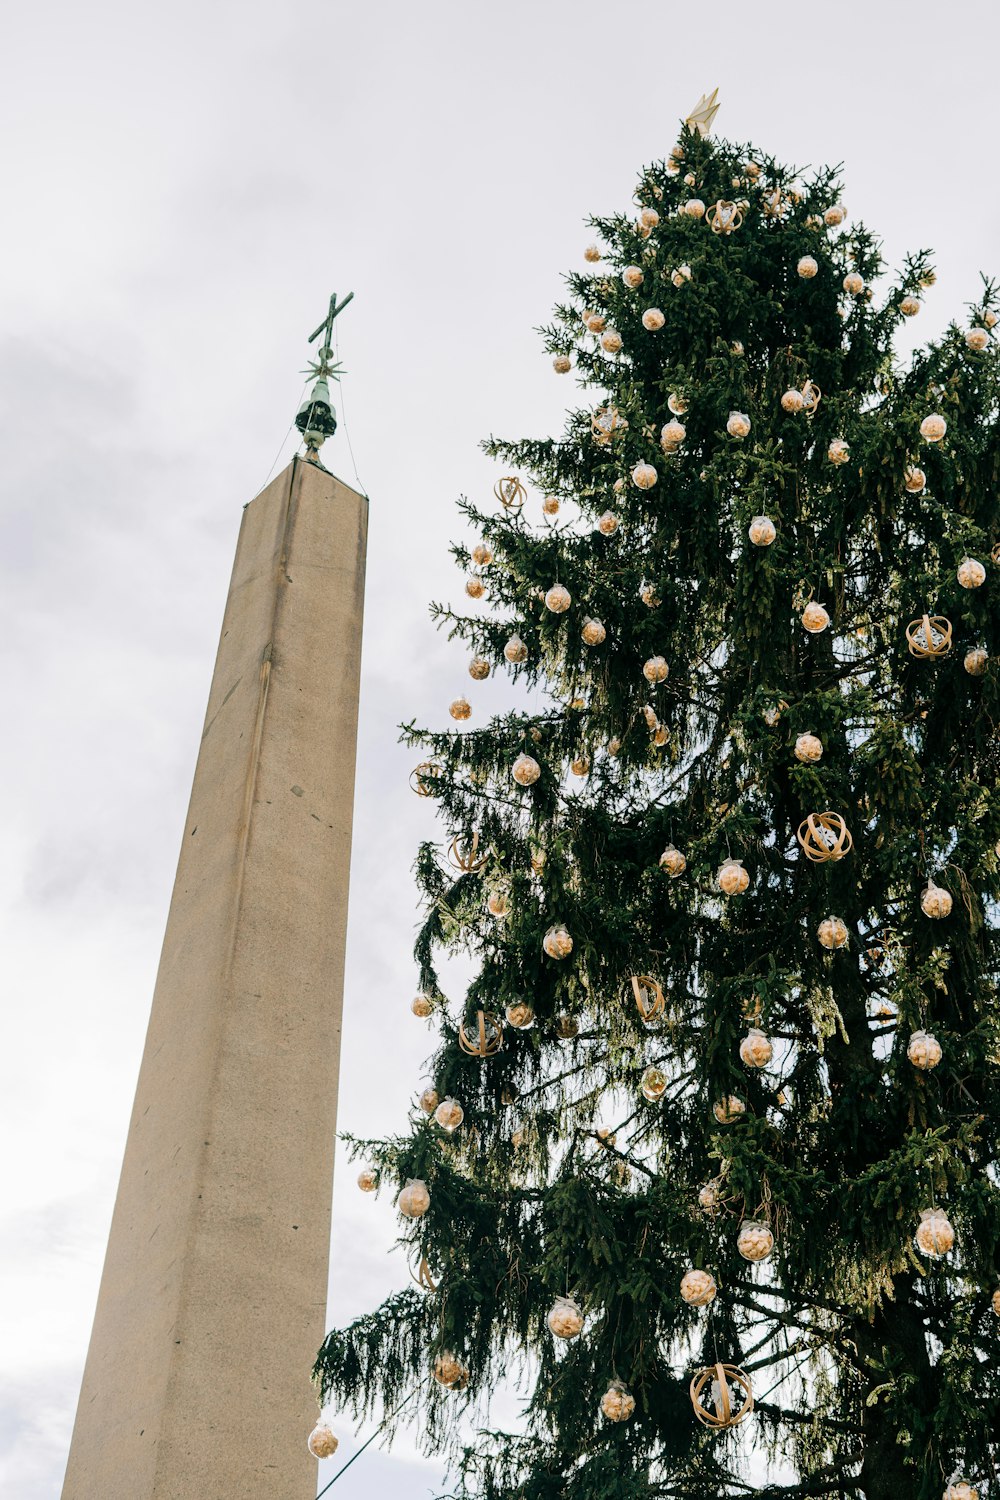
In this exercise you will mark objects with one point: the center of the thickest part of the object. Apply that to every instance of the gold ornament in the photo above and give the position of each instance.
(995, 554)
(976, 661)
(483, 1039)
(526, 770)
(792, 401)
(832, 933)
(515, 650)
(930, 636)
(724, 217)
(648, 997)
(834, 215)
(460, 709)
(550, 505)
(649, 218)
(520, 1014)
(562, 364)
(698, 1288)
(682, 274)
(567, 1027)
(450, 1371)
(815, 618)
(594, 322)
(592, 254)
(617, 1403)
(428, 1100)
(915, 480)
(466, 857)
(924, 1050)
(558, 599)
(611, 342)
(909, 306)
(755, 1241)
(672, 434)
(762, 531)
(644, 476)
(580, 766)
(676, 404)
(807, 267)
(510, 492)
(838, 452)
(497, 903)
(557, 942)
(977, 339)
(614, 745)
(961, 1490)
(995, 1302)
(414, 1200)
(482, 554)
(607, 523)
(474, 586)
(729, 1109)
(449, 1114)
(367, 1180)
(703, 114)
(655, 669)
(673, 861)
(934, 901)
(709, 1197)
(479, 668)
(565, 1318)
(738, 424)
(731, 877)
(808, 749)
(592, 632)
(690, 179)
(649, 596)
(321, 1442)
(728, 1393)
(694, 208)
(632, 277)
(854, 284)
(824, 837)
(933, 427)
(811, 395)
(606, 424)
(421, 1006)
(653, 1084)
(971, 573)
(935, 1235)
(653, 319)
(755, 1049)
(990, 318)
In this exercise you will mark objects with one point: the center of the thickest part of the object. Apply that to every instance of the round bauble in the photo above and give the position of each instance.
(515, 650)
(414, 1200)
(594, 322)
(682, 274)
(676, 404)
(592, 632)
(729, 1109)
(990, 318)
(611, 342)
(915, 480)
(428, 1100)
(481, 1037)
(421, 1006)
(731, 878)
(367, 1180)
(558, 599)
(449, 1114)
(449, 1371)
(653, 1084)
(933, 427)
(649, 596)
(824, 836)
(321, 1441)
(474, 586)
(498, 903)
(832, 933)
(995, 1302)
(460, 708)
(834, 215)
(854, 283)
(482, 554)
(649, 218)
(694, 208)
(838, 452)
(562, 364)
(614, 745)
(510, 492)
(960, 1490)
(808, 749)
(924, 1050)
(709, 1197)
(792, 400)
(580, 766)
(977, 339)
(557, 942)
(644, 476)
(721, 1396)
(653, 319)
(525, 770)
(617, 1403)
(690, 179)
(550, 505)
(755, 1240)
(673, 861)
(935, 1235)
(755, 1049)
(566, 1026)
(672, 434)
(807, 267)
(929, 637)
(520, 1014)
(738, 424)
(565, 1318)
(698, 1288)
(592, 254)
(971, 573)
(479, 669)
(815, 618)
(909, 306)
(655, 669)
(762, 531)
(934, 901)
(607, 523)
(976, 661)
(632, 277)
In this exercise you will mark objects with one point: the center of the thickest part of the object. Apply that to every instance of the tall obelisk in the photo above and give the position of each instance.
(213, 1295)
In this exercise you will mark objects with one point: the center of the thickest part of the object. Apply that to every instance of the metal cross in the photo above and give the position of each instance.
(327, 325)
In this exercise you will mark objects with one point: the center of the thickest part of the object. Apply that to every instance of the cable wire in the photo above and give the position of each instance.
(385, 1422)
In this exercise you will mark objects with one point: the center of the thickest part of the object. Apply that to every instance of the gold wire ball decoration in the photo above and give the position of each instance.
(482, 1038)
(648, 997)
(420, 777)
(606, 424)
(824, 836)
(724, 216)
(929, 637)
(721, 1396)
(510, 492)
(422, 1275)
(466, 857)
(995, 553)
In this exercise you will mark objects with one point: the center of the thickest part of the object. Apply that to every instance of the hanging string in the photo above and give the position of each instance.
(284, 440)
(343, 412)
(384, 1423)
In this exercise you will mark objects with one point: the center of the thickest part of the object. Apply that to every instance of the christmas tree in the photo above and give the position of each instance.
(715, 1124)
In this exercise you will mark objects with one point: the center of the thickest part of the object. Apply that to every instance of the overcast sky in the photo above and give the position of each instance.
(184, 185)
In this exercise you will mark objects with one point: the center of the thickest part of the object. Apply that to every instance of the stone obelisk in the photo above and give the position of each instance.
(213, 1295)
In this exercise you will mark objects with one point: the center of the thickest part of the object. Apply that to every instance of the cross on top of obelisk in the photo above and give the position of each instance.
(316, 418)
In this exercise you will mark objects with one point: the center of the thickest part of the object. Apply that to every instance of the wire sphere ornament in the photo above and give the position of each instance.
(607, 423)
(510, 492)
(420, 777)
(482, 1038)
(724, 216)
(648, 997)
(423, 1276)
(721, 1396)
(824, 836)
(929, 637)
(466, 857)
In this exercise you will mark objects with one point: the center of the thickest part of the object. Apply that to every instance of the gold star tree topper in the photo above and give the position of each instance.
(704, 113)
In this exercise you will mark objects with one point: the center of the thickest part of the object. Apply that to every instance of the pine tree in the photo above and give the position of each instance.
(731, 890)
